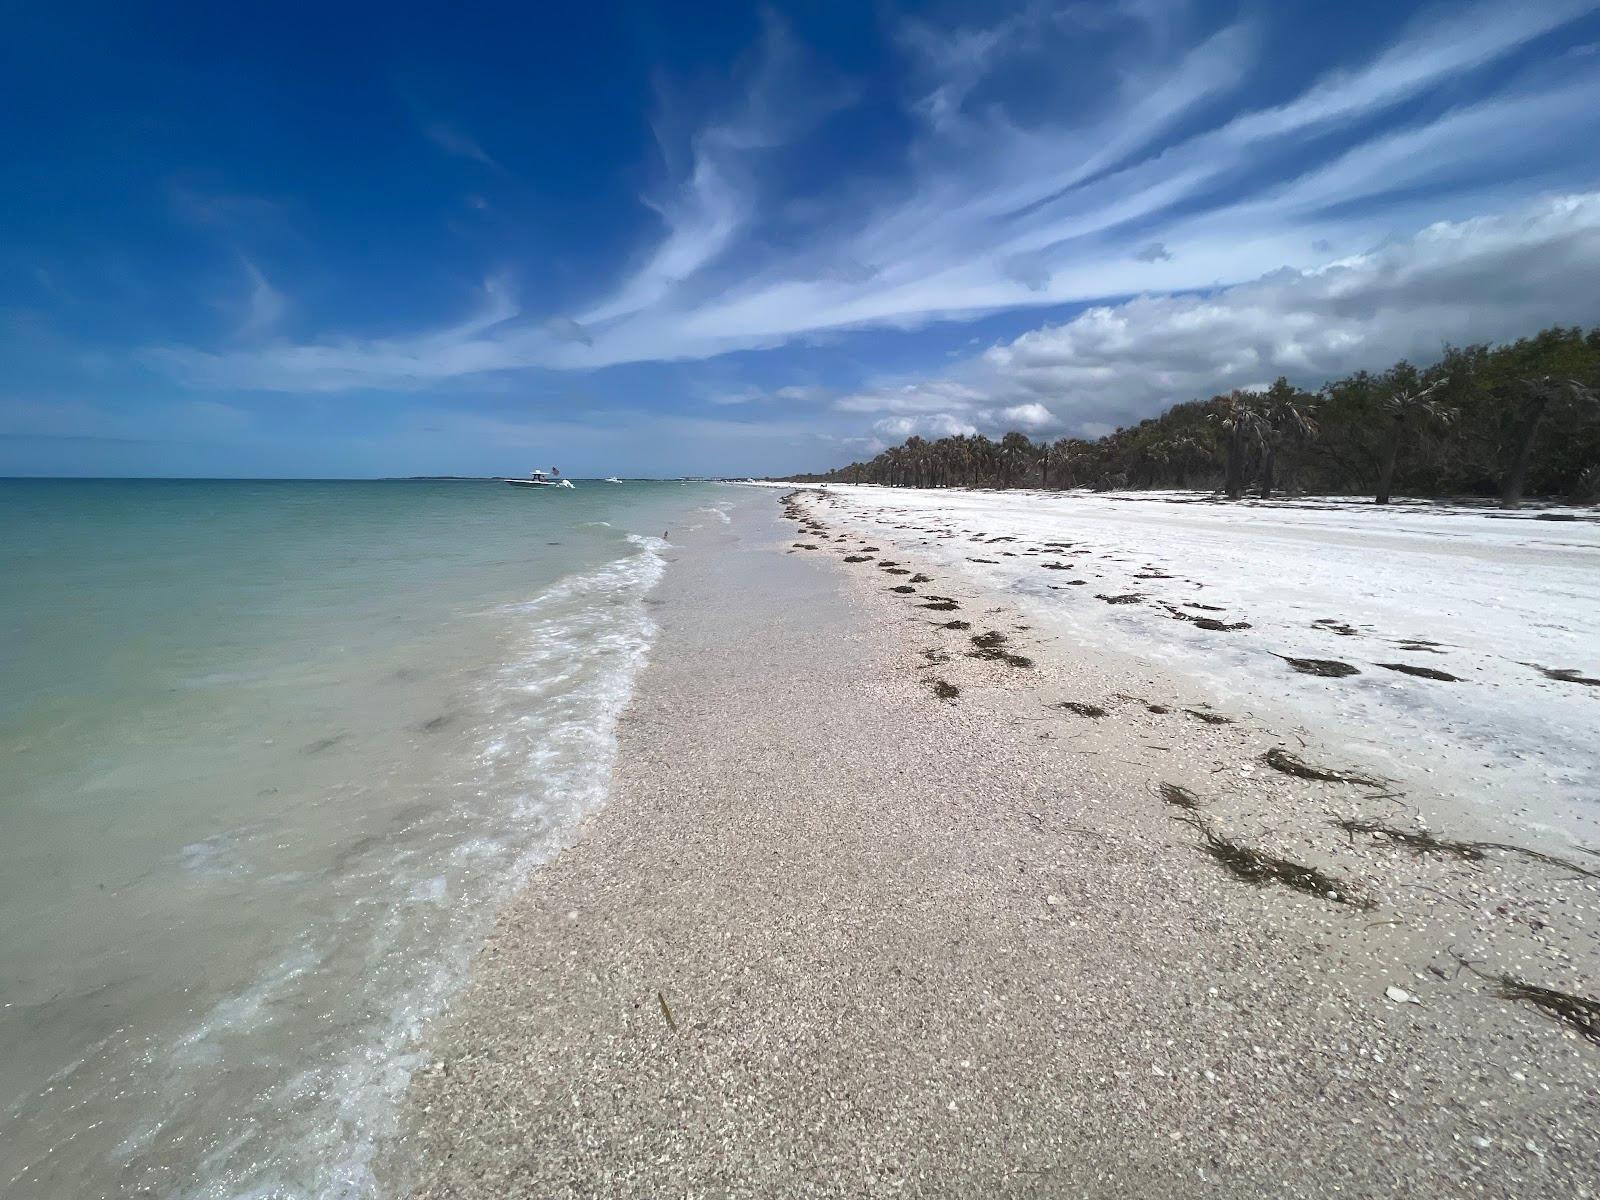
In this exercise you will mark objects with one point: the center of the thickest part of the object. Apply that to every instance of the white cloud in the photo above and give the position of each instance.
(1157, 190)
(934, 425)
(452, 141)
(1027, 417)
(568, 330)
(703, 214)
(345, 364)
(1484, 279)
(939, 395)
(944, 407)
(1479, 280)
(266, 306)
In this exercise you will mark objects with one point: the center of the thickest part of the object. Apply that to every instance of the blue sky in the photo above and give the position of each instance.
(652, 239)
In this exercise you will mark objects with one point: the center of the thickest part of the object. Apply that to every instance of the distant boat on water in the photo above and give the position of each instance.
(612, 479)
(549, 479)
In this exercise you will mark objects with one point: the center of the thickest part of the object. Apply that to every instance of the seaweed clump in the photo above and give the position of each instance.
(956, 625)
(1426, 843)
(944, 689)
(1280, 759)
(991, 646)
(1328, 668)
(1210, 718)
(1566, 675)
(1333, 625)
(858, 558)
(1211, 623)
(1421, 672)
(905, 589)
(1179, 797)
(1420, 842)
(1260, 868)
(1580, 1012)
(1082, 709)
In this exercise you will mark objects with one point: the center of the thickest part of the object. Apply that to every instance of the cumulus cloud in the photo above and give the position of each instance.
(943, 408)
(1029, 417)
(1484, 279)
(934, 425)
(1478, 280)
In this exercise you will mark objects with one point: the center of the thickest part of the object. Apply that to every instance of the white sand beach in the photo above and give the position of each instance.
(904, 889)
(1466, 639)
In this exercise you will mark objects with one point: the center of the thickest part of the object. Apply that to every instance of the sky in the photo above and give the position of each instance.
(664, 239)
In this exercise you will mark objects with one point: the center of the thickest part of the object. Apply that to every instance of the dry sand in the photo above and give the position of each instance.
(833, 935)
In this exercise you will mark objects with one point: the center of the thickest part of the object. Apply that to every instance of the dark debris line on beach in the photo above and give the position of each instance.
(1256, 866)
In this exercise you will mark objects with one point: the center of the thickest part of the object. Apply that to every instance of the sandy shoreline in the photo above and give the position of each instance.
(834, 935)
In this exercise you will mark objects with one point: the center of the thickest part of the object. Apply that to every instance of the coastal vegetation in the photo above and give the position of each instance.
(1496, 421)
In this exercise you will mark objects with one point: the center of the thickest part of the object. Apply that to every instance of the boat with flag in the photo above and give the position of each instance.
(550, 478)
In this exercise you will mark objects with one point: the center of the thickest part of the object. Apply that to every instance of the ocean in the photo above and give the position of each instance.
(271, 756)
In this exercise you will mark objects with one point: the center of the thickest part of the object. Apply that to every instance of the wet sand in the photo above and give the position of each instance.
(835, 935)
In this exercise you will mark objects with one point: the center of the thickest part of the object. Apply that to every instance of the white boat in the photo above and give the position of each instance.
(612, 479)
(541, 479)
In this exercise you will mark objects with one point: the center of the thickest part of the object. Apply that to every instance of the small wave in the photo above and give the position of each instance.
(354, 993)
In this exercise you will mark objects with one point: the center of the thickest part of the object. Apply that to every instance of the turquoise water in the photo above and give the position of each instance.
(270, 755)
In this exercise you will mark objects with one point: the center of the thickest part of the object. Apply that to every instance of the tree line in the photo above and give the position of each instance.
(1506, 421)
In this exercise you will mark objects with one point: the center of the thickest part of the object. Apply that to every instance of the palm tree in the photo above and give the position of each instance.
(981, 453)
(1286, 413)
(1178, 458)
(1587, 489)
(1537, 395)
(1064, 453)
(959, 455)
(1407, 408)
(1243, 425)
(915, 453)
(1015, 450)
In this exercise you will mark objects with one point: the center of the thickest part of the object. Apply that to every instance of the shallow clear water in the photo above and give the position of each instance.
(270, 755)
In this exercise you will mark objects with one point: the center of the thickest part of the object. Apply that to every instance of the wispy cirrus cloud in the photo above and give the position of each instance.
(454, 142)
(1166, 183)
(266, 305)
